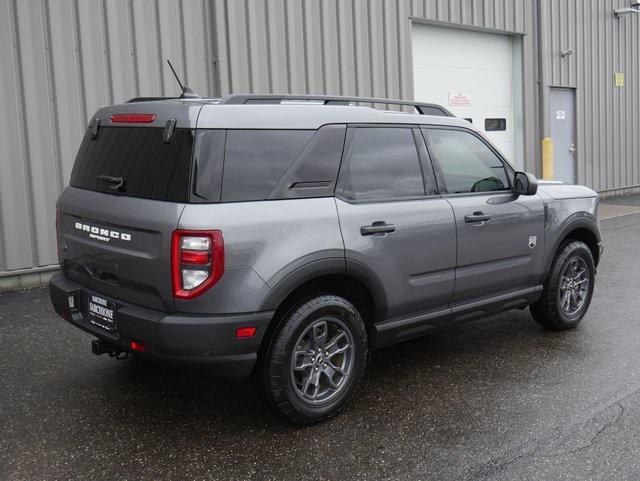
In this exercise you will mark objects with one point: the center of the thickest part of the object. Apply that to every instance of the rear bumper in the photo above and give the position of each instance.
(204, 343)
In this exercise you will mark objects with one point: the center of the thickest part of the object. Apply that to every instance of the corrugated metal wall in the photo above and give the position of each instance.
(60, 60)
(348, 47)
(608, 117)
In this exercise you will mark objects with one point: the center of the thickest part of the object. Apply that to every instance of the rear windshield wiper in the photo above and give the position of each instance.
(117, 182)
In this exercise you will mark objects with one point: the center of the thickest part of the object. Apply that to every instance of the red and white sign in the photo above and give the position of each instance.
(459, 99)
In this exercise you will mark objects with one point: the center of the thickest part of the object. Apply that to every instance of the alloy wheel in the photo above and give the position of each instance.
(574, 286)
(322, 360)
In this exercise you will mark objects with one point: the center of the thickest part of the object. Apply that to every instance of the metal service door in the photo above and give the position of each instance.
(563, 132)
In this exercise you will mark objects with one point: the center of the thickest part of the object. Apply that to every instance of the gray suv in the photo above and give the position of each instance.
(288, 236)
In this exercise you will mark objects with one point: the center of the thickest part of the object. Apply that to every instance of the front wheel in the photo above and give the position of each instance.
(568, 289)
(316, 360)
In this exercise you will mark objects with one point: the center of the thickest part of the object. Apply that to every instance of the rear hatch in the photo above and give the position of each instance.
(128, 188)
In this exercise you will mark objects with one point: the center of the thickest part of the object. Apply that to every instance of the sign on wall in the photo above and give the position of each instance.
(459, 99)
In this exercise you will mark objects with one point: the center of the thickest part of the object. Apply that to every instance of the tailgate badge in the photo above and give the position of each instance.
(104, 235)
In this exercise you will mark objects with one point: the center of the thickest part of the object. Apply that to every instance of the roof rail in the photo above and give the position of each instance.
(421, 108)
(159, 99)
(149, 99)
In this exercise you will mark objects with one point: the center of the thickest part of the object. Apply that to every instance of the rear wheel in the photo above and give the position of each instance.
(568, 289)
(315, 360)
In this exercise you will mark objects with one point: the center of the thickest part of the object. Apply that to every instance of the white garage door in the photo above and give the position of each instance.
(472, 74)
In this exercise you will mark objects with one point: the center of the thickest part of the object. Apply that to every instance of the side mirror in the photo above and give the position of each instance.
(525, 183)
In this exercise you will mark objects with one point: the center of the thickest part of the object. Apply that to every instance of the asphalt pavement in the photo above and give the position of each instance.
(498, 398)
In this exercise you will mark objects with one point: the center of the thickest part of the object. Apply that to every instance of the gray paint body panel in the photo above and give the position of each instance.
(495, 256)
(269, 238)
(284, 116)
(416, 262)
(565, 214)
(138, 270)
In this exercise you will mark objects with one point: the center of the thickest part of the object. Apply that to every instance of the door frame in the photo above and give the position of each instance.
(442, 185)
(427, 168)
(574, 92)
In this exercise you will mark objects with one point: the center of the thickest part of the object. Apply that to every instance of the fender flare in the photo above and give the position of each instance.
(325, 267)
(577, 221)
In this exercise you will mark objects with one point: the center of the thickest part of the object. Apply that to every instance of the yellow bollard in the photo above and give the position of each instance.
(547, 158)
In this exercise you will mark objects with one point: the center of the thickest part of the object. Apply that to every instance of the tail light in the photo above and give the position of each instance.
(197, 261)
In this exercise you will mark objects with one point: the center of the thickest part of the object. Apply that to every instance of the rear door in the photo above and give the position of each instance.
(128, 187)
(392, 219)
(500, 234)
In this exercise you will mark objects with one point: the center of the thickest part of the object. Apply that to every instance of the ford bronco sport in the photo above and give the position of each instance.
(288, 236)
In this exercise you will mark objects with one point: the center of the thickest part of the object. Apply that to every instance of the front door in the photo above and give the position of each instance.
(563, 133)
(500, 235)
(393, 222)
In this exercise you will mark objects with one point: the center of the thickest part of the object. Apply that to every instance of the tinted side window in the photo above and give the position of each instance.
(257, 159)
(314, 171)
(208, 154)
(382, 164)
(467, 163)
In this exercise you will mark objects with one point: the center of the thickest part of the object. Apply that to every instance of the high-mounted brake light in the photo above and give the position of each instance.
(133, 118)
(197, 261)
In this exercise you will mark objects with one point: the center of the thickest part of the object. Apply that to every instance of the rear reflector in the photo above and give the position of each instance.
(244, 332)
(136, 346)
(133, 118)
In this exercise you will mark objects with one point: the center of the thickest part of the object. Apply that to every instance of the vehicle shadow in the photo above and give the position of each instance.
(433, 376)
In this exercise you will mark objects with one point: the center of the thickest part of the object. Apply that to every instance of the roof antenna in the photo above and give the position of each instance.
(187, 93)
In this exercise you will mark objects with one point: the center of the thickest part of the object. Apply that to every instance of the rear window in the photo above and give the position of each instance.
(148, 167)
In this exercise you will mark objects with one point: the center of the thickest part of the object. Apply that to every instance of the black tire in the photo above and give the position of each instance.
(548, 311)
(280, 383)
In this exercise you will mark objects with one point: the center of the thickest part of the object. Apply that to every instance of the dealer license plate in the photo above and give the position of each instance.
(102, 312)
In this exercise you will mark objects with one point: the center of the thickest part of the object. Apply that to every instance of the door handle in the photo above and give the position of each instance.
(378, 227)
(477, 217)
